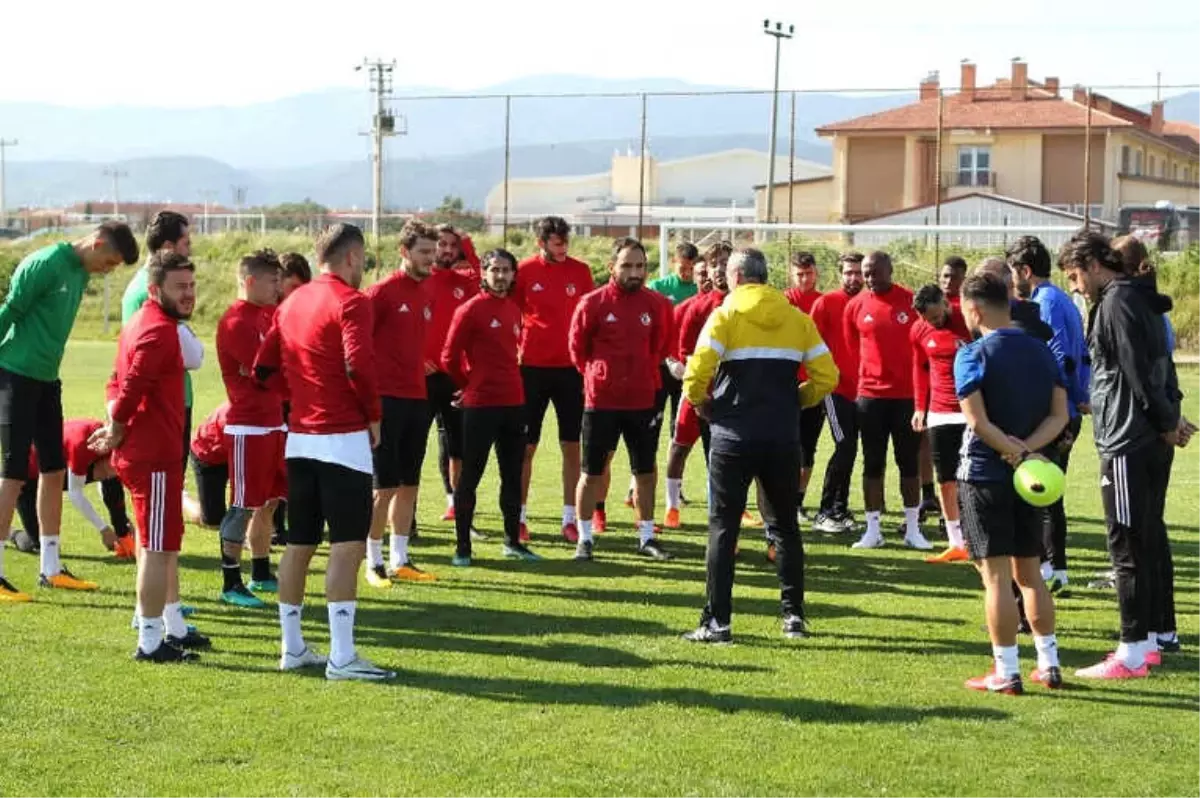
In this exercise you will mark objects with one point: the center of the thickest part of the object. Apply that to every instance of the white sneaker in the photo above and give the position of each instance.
(357, 669)
(869, 541)
(915, 540)
(305, 659)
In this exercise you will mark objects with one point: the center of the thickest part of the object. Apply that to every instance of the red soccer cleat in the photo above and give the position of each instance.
(570, 533)
(524, 536)
(599, 522)
(449, 514)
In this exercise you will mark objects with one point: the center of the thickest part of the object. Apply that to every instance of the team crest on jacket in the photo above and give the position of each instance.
(516, 330)
(902, 317)
(495, 323)
(645, 319)
(404, 307)
(458, 293)
(428, 313)
(570, 289)
(536, 287)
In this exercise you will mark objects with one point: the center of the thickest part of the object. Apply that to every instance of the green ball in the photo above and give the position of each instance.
(1039, 482)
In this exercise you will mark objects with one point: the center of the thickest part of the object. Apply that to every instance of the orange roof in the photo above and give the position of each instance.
(1184, 135)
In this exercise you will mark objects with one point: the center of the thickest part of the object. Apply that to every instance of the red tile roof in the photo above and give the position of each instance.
(1184, 135)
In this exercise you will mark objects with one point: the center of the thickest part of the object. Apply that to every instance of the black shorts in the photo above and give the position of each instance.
(402, 437)
(945, 442)
(811, 421)
(30, 415)
(996, 522)
(324, 494)
(880, 420)
(602, 429)
(187, 438)
(440, 390)
(563, 387)
(212, 483)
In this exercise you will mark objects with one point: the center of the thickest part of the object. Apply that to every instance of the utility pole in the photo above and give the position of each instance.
(383, 123)
(4, 144)
(239, 200)
(780, 34)
(116, 175)
(208, 195)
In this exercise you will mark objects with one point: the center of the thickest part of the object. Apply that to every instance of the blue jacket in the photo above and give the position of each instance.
(1068, 344)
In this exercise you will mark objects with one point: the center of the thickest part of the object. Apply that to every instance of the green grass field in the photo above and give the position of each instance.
(559, 678)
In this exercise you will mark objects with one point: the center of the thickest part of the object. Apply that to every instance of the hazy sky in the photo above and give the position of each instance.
(226, 52)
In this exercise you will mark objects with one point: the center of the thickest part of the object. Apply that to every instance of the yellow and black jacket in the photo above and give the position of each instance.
(749, 352)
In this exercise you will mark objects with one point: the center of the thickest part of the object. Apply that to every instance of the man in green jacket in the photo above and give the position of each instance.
(35, 321)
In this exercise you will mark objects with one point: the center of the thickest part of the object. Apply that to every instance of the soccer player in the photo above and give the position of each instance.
(296, 272)
(321, 346)
(83, 468)
(749, 352)
(877, 324)
(400, 312)
(619, 335)
(35, 320)
(254, 433)
(144, 433)
(802, 273)
(210, 468)
(935, 340)
(827, 312)
(1012, 396)
(448, 289)
(678, 287)
(480, 355)
(549, 286)
(1029, 261)
(950, 280)
(1137, 423)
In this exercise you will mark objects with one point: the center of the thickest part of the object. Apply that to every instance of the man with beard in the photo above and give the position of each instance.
(950, 280)
(935, 339)
(548, 287)
(803, 295)
(827, 312)
(145, 434)
(480, 355)
(448, 288)
(618, 337)
(877, 324)
(321, 347)
(1029, 261)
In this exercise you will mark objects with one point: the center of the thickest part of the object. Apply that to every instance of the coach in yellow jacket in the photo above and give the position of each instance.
(749, 355)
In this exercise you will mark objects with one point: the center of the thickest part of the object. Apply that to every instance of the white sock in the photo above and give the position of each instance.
(1047, 651)
(449, 501)
(341, 632)
(374, 552)
(51, 564)
(523, 519)
(912, 521)
(1131, 655)
(674, 489)
(568, 514)
(150, 634)
(173, 620)
(585, 530)
(289, 621)
(1007, 662)
(645, 532)
(954, 532)
(1060, 576)
(1150, 644)
(632, 484)
(873, 523)
(1047, 571)
(399, 553)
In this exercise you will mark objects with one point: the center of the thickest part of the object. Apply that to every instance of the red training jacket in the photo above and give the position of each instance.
(401, 310)
(547, 294)
(78, 456)
(208, 442)
(827, 313)
(617, 340)
(877, 326)
(239, 333)
(933, 351)
(448, 290)
(802, 301)
(321, 341)
(146, 390)
(666, 313)
(694, 318)
(480, 354)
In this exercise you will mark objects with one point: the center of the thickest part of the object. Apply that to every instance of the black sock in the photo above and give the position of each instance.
(799, 499)
(260, 569)
(927, 492)
(600, 506)
(231, 570)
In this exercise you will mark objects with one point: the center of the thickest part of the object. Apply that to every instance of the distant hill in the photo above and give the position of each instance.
(1181, 107)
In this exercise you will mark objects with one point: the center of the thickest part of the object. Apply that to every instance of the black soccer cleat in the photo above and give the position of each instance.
(583, 551)
(710, 633)
(1171, 646)
(794, 627)
(166, 653)
(191, 641)
(653, 550)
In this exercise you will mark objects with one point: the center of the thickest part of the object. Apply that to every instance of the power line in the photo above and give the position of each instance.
(383, 123)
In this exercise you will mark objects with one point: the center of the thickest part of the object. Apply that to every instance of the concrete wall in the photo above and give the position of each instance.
(626, 175)
(547, 195)
(812, 202)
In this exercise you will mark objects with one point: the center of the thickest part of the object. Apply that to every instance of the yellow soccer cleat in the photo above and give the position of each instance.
(377, 577)
(411, 573)
(65, 580)
(10, 593)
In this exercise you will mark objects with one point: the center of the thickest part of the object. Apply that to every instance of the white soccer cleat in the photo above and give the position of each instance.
(305, 659)
(869, 540)
(915, 540)
(357, 669)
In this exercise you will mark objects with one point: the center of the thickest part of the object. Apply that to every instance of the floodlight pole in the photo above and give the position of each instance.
(780, 34)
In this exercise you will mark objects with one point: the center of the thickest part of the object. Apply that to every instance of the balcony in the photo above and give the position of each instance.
(966, 181)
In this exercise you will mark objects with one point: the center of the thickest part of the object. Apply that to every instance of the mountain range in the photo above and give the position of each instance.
(309, 146)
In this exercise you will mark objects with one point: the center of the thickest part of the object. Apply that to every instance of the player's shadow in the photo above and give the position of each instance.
(488, 622)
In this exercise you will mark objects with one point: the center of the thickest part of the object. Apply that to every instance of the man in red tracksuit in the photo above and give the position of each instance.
(876, 325)
(803, 295)
(145, 435)
(401, 311)
(618, 337)
(480, 355)
(935, 340)
(254, 433)
(321, 347)
(549, 286)
(451, 283)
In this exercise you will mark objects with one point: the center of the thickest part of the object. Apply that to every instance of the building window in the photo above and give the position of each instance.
(1174, 171)
(1125, 159)
(1150, 166)
(974, 166)
(1137, 163)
